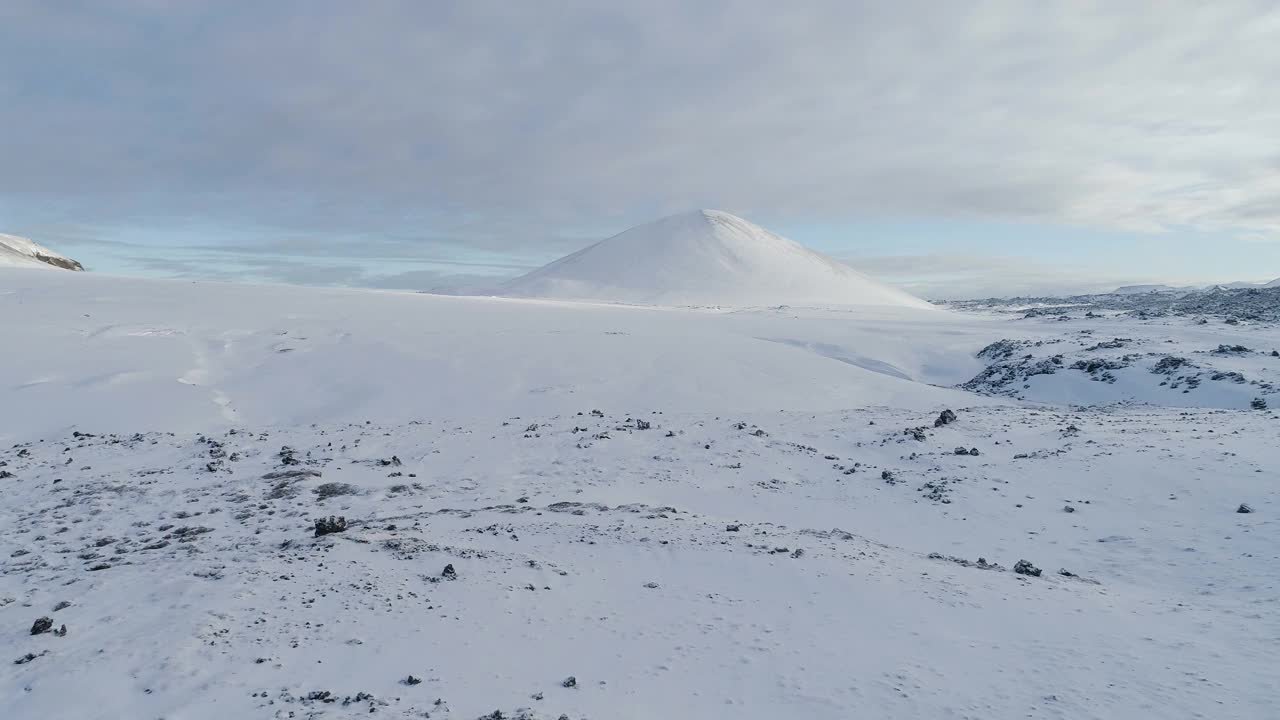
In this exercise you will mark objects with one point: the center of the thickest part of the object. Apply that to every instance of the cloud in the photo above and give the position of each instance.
(497, 125)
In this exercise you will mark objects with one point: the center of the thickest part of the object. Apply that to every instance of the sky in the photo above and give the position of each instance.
(958, 148)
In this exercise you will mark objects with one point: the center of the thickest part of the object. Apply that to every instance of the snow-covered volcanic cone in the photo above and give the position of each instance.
(705, 257)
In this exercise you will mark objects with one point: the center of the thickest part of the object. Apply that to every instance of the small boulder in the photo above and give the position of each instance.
(569, 682)
(1024, 567)
(946, 417)
(331, 524)
(42, 625)
(1244, 508)
(449, 573)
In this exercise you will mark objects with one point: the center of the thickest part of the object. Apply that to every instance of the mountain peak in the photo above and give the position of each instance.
(705, 257)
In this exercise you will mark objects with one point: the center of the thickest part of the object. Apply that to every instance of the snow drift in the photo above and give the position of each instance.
(22, 252)
(705, 257)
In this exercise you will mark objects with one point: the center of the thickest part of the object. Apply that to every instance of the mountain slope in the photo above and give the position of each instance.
(22, 252)
(705, 257)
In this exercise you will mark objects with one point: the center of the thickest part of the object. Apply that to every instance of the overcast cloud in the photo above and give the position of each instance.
(529, 127)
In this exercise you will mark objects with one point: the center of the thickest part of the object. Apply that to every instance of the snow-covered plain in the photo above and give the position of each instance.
(694, 513)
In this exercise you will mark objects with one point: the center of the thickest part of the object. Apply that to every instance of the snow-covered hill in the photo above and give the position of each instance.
(22, 252)
(705, 257)
(1140, 289)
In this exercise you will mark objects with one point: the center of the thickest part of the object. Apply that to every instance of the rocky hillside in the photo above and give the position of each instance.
(23, 252)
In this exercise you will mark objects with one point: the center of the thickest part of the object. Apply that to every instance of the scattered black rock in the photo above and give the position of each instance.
(62, 605)
(411, 680)
(1168, 364)
(651, 585)
(1068, 509)
(1244, 508)
(1231, 350)
(981, 563)
(28, 658)
(334, 489)
(946, 417)
(291, 474)
(1080, 578)
(1115, 344)
(42, 625)
(329, 525)
(449, 573)
(1100, 368)
(61, 632)
(732, 528)
(1258, 403)
(569, 682)
(1023, 567)
(288, 456)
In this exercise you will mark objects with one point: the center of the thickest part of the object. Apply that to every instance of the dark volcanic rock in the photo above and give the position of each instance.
(331, 524)
(1024, 567)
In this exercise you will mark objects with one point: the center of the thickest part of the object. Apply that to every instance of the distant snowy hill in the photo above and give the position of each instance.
(21, 252)
(1141, 289)
(705, 257)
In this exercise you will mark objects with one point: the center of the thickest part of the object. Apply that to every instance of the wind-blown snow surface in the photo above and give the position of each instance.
(705, 257)
(694, 514)
(22, 252)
